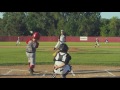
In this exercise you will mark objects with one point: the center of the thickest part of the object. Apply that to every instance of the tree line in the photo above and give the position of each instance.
(50, 24)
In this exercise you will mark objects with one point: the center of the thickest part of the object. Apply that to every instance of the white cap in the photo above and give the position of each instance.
(61, 30)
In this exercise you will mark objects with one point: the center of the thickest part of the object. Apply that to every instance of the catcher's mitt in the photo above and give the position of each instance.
(54, 54)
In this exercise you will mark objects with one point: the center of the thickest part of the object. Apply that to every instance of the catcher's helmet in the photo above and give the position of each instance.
(63, 48)
(36, 35)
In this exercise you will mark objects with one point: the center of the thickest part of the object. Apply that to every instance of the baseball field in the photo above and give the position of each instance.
(87, 61)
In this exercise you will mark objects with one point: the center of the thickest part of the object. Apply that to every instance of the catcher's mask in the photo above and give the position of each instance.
(63, 48)
(36, 35)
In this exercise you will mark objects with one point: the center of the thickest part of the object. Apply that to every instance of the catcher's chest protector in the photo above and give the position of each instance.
(60, 57)
(63, 58)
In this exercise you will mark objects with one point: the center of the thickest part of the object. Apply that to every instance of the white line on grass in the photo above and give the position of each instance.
(110, 73)
(8, 72)
(12, 70)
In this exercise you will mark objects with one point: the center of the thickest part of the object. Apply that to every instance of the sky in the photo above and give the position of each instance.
(106, 15)
(109, 15)
(0, 15)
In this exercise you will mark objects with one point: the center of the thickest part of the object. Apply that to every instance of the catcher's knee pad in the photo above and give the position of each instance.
(64, 70)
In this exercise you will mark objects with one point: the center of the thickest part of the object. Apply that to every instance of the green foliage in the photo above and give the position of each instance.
(14, 23)
(110, 27)
(50, 24)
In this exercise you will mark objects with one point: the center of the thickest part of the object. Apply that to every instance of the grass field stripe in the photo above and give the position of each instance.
(110, 73)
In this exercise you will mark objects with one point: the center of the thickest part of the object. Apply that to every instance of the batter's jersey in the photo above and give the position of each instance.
(31, 47)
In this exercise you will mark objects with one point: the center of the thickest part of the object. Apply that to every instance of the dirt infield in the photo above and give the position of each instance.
(45, 71)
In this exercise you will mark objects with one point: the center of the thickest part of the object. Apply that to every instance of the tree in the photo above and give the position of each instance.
(50, 23)
(104, 27)
(114, 27)
(14, 23)
(90, 24)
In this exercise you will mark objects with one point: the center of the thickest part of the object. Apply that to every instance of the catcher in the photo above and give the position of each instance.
(61, 62)
(32, 44)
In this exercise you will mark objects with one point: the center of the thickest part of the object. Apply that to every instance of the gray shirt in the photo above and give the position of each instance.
(31, 47)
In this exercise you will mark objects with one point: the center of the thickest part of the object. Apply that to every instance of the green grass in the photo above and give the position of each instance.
(69, 44)
(86, 53)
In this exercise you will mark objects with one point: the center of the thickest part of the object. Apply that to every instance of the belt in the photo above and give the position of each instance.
(30, 52)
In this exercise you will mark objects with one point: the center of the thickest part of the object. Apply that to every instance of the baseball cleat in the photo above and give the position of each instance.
(31, 71)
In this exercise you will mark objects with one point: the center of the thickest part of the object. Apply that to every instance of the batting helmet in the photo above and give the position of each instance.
(63, 48)
(36, 35)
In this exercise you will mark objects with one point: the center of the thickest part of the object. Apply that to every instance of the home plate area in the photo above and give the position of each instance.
(46, 71)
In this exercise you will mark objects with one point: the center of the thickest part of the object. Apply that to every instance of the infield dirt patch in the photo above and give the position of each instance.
(45, 71)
